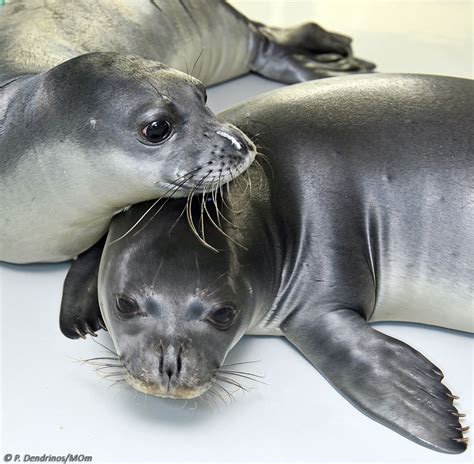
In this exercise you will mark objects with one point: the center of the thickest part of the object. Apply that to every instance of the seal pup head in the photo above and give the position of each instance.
(134, 129)
(173, 308)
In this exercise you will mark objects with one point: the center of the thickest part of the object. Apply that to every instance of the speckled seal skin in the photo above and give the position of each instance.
(361, 213)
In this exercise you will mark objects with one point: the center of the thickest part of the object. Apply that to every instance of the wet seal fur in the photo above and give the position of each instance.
(360, 215)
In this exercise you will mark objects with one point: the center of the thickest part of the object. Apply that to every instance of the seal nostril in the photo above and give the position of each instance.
(179, 362)
(160, 366)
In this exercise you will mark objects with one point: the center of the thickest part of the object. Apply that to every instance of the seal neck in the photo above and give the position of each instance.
(256, 245)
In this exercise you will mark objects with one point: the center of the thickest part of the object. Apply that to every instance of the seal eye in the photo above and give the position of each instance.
(223, 317)
(157, 131)
(126, 306)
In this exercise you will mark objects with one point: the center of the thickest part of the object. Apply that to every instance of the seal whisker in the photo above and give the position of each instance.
(243, 376)
(189, 215)
(223, 197)
(215, 396)
(196, 62)
(113, 374)
(209, 294)
(218, 394)
(104, 367)
(220, 213)
(215, 203)
(177, 220)
(239, 363)
(259, 376)
(201, 217)
(154, 86)
(262, 175)
(213, 222)
(172, 189)
(106, 358)
(249, 182)
(106, 347)
(261, 156)
(222, 388)
(233, 180)
(212, 284)
(118, 382)
(233, 382)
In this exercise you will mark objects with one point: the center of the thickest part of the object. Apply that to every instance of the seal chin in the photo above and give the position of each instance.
(164, 391)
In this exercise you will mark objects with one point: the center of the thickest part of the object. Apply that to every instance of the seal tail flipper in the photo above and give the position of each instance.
(304, 53)
(80, 312)
(384, 378)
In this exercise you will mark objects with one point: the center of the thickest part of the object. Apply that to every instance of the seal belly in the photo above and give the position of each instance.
(420, 301)
(423, 272)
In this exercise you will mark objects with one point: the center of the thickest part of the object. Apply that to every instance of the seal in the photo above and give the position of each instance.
(69, 184)
(95, 134)
(361, 214)
(207, 38)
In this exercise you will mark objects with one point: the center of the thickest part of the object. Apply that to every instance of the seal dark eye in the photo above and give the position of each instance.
(157, 131)
(126, 307)
(223, 317)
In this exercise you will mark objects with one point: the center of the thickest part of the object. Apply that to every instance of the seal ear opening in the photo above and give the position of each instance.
(80, 312)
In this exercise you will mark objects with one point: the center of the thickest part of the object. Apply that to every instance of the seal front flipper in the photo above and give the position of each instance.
(383, 377)
(304, 53)
(80, 311)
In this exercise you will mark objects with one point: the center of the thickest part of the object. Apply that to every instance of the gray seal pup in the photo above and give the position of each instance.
(68, 157)
(363, 213)
(97, 133)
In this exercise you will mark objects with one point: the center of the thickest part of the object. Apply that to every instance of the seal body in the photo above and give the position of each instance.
(379, 186)
(361, 212)
(206, 38)
(39, 35)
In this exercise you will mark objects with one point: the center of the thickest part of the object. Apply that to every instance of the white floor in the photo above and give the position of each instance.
(54, 405)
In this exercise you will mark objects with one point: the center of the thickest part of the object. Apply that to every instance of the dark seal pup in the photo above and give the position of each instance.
(363, 214)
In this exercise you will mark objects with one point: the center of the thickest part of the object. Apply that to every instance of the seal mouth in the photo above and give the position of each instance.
(165, 391)
(202, 180)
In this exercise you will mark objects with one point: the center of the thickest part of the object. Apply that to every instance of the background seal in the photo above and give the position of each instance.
(207, 38)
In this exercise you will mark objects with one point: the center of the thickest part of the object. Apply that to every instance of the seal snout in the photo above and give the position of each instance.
(233, 140)
(170, 363)
(237, 139)
(168, 370)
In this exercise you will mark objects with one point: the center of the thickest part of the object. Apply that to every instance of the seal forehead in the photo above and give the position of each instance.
(111, 79)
